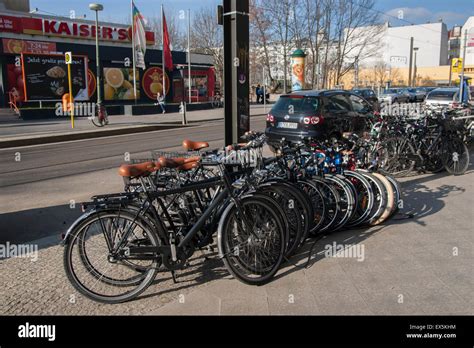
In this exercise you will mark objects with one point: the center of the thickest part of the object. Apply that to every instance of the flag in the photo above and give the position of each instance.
(139, 37)
(168, 58)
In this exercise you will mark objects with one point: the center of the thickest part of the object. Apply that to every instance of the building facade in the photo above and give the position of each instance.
(24, 33)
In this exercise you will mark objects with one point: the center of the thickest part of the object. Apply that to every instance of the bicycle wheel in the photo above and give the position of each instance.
(455, 156)
(397, 190)
(347, 199)
(397, 156)
(331, 200)
(303, 204)
(252, 241)
(380, 197)
(365, 198)
(433, 161)
(95, 272)
(317, 202)
(290, 209)
(391, 200)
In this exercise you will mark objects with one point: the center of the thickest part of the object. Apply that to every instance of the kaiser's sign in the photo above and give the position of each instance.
(83, 30)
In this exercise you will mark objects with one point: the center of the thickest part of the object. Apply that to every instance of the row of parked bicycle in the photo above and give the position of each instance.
(259, 210)
(436, 141)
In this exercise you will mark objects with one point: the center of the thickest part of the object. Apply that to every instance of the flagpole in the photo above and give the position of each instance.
(133, 54)
(189, 55)
(163, 50)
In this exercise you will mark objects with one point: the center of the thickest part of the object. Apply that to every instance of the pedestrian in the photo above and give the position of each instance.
(161, 102)
(257, 93)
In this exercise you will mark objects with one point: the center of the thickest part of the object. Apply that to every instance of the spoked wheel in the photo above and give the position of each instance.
(292, 213)
(332, 201)
(365, 198)
(433, 162)
(456, 157)
(317, 202)
(380, 198)
(252, 241)
(397, 156)
(98, 273)
(347, 200)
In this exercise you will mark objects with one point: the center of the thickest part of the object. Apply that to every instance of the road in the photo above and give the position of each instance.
(50, 161)
(41, 189)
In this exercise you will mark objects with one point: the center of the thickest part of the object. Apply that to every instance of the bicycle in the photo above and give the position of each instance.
(100, 117)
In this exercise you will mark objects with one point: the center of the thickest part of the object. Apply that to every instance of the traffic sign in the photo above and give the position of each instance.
(68, 57)
(457, 65)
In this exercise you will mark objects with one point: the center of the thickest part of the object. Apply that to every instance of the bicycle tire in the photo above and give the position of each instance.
(89, 293)
(233, 258)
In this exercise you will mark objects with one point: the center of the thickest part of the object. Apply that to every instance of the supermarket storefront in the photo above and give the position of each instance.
(43, 36)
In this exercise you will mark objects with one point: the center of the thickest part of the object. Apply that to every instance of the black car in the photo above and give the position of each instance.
(368, 94)
(317, 114)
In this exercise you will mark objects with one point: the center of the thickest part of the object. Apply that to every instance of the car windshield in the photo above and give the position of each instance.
(296, 105)
(420, 90)
(442, 95)
(412, 90)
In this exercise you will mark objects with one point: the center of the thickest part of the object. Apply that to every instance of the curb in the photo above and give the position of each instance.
(39, 140)
(70, 136)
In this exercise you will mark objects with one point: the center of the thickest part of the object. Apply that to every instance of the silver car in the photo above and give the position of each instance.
(443, 97)
(394, 95)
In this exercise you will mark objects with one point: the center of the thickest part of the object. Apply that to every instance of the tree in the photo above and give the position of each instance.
(207, 38)
(177, 37)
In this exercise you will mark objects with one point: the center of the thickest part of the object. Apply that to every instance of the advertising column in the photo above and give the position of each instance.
(298, 70)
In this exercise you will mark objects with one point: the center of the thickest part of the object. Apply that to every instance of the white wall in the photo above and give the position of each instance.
(431, 39)
(469, 26)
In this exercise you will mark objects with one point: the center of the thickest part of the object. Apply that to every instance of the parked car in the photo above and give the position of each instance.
(394, 95)
(368, 94)
(416, 95)
(443, 97)
(317, 114)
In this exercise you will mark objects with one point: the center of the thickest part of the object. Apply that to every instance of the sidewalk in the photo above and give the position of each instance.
(16, 132)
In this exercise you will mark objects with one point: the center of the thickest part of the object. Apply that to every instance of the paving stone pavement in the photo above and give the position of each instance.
(410, 266)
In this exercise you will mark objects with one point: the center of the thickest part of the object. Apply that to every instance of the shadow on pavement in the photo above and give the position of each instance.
(33, 224)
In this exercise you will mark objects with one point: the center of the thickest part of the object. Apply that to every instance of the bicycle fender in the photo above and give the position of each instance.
(220, 248)
(75, 224)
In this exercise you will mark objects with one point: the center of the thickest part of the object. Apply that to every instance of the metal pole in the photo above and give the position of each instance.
(133, 53)
(163, 51)
(189, 56)
(414, 71)
(264, 91)
(99, 97)
(450, 71)
(461, 82)
(411, 63)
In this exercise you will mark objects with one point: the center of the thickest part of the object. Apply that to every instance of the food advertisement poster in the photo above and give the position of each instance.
(119, 84)
(45, 77)
(152, 82)
(16, 85)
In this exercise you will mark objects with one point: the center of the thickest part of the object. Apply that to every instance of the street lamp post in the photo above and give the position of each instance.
(97, 8)
(415, 67)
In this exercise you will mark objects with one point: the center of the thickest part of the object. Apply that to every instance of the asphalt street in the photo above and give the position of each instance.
(43, 162)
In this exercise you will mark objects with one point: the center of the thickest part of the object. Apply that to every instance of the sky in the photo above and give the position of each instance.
(413, 11)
